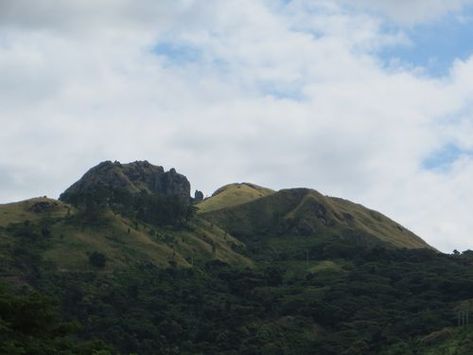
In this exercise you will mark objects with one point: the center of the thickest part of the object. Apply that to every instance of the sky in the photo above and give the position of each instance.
(371, 102)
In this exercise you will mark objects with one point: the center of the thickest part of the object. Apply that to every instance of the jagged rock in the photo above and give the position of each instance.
(136, 177)
(198, 196)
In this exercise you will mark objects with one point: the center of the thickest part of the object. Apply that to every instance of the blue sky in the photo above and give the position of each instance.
(443, 158)
(432, 48)
(177, 53)
(435, 45)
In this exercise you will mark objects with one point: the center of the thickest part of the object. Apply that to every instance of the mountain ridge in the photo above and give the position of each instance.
(116, 205)
(124, 196)
(274, 272)
(304, 211)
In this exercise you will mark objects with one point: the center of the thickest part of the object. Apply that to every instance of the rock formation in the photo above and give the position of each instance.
(198, 196)
(136, 177)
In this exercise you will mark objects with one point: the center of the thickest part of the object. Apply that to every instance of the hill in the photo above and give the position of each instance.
(61, 236)
(231, 195)
(139, 213)
(32, 210)
(294, 217)
(123, 263)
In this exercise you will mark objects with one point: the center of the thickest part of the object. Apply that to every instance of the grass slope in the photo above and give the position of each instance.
(233, 195)
(300, 296)
(53, 232)
(305, 212)
(32, 210)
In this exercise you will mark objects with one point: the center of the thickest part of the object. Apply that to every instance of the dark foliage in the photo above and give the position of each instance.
(381, 299)
(377, 300)
(29, 325)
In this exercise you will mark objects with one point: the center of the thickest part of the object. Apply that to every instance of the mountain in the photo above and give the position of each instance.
(140, 213)
(232, 195)
(303, 213)
(137, 190)
(132, 214)
(127, 262)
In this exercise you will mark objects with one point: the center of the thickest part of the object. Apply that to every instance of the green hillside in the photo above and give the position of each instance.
(57, 234)
(129, 265)
(304, 213)
(32, 210)
(231, 195)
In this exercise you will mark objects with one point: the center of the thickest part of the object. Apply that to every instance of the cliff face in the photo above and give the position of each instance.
(136, 177)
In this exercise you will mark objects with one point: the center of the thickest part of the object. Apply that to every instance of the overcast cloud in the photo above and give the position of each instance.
(280, 93)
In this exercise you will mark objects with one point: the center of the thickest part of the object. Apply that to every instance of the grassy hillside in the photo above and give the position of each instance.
(304, 213)
(55, 233)
(268, 222)
(305, 291)
(32, 210)
(253, 272)
(375, 224)
(233, 195)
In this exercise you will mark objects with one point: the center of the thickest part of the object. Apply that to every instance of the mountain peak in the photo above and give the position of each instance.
(134, 177)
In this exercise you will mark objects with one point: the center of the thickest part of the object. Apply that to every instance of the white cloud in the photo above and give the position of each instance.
(281, 96)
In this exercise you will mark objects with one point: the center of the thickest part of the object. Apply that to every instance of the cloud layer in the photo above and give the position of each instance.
(279, 93)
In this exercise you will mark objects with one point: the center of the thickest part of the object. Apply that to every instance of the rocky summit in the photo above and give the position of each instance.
(135, 177)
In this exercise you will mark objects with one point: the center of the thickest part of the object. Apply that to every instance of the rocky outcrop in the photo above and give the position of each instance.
(198, 196)
(136, 177)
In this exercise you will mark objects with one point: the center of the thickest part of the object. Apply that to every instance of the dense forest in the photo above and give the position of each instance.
(377, 301)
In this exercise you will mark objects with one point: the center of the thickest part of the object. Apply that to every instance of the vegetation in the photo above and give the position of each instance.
(29, 324)
(66, 242)
(233, 195)
(379, 301)
(115, 271)
(148, 207)
(32, 210)
(306, 214)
